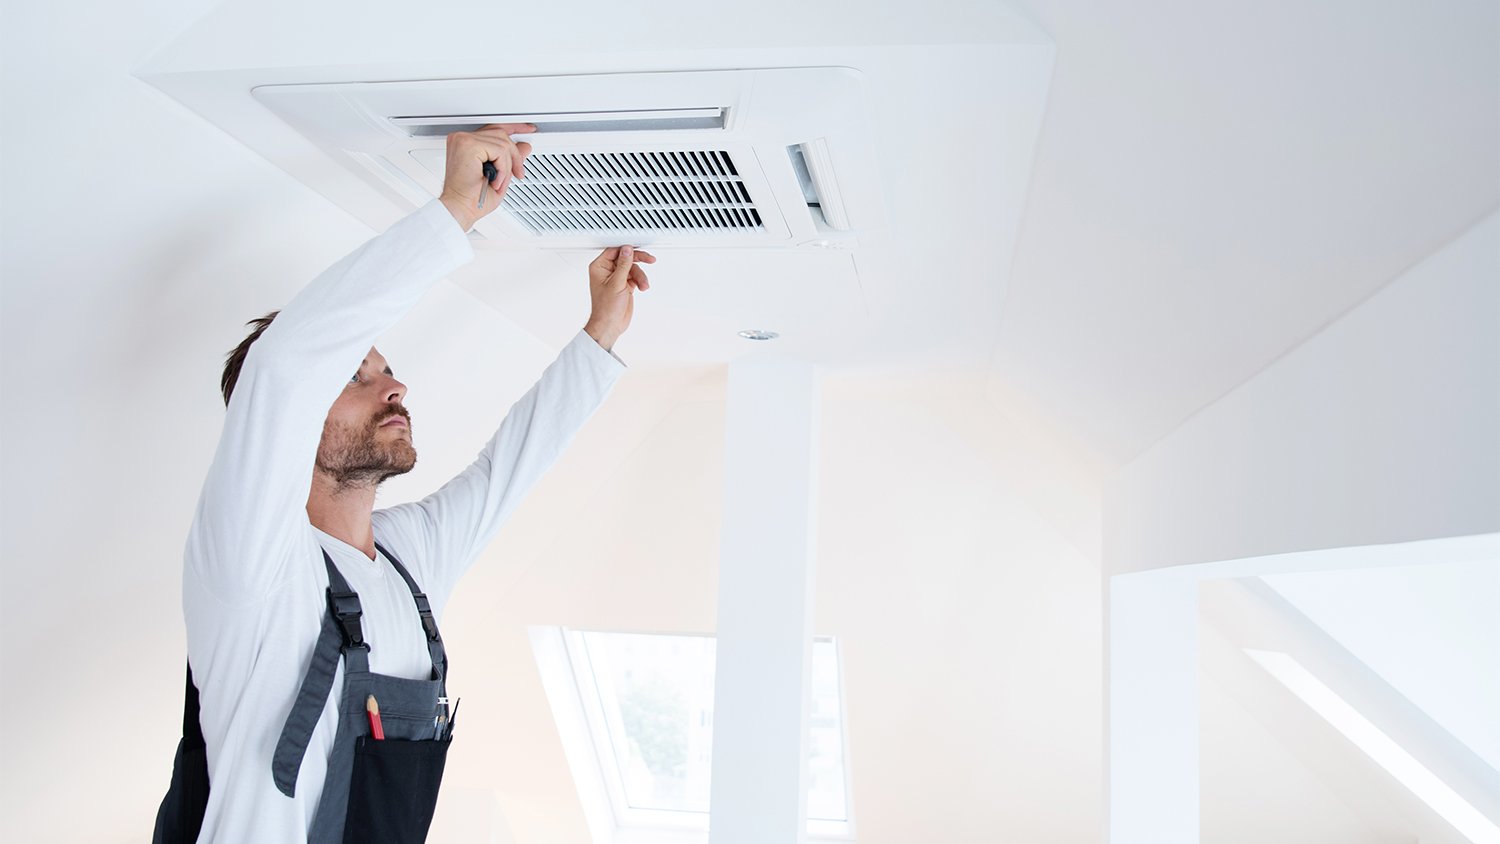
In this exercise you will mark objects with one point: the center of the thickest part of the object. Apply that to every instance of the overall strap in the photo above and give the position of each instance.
(424, 609)
(341, 635)
(344, 609)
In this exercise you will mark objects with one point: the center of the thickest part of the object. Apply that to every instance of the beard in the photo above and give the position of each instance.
(361, 455)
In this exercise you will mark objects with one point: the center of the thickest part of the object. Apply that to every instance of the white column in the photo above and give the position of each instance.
(1153, 709)
(766, 575)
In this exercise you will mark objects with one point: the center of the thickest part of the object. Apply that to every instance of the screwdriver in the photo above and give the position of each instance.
(490, 173)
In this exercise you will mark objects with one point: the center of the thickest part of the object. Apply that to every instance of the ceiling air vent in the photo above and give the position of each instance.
(693, 190)
(776, 157)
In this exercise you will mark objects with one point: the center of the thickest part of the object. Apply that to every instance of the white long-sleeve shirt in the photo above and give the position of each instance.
(254, 579)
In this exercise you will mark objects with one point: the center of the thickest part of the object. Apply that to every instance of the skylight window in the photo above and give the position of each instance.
(1469, 821)
(655, 697)
(1427, 629)
(646, 704)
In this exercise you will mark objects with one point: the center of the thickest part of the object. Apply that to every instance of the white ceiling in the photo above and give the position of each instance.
(1211, 183)
(953, 127)
(1216, 181)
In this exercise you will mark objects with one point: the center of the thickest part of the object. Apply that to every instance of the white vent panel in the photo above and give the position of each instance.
(684, 191)
(690, 158)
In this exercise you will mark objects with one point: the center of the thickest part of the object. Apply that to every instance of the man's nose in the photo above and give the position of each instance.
(394, 391)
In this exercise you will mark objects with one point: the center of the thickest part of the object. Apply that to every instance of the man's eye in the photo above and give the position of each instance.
(354, 379)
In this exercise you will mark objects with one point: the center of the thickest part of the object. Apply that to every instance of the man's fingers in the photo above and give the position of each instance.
(491, 155)
(496, 147)
(518, 165)
(621, 272)
(619, 277)
(638, 277)
(509, 128)
(483, 150)
(473, 142)
(605, 261)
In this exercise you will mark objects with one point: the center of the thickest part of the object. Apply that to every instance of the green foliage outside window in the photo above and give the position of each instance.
(656, 720)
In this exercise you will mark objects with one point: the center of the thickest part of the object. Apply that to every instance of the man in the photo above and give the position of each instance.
(320, 672)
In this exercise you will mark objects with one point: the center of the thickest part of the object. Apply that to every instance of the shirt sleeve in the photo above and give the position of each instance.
(252, 508)
(455, 523)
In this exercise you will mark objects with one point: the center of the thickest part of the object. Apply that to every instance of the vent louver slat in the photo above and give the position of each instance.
(694, 190)
(657, 191)
(719, 192)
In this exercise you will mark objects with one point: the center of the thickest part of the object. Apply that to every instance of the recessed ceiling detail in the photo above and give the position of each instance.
(926, 149)
(758, 158)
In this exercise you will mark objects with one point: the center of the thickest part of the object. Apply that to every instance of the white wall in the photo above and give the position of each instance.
(968, 624)
(971, 626)
(1384, 427)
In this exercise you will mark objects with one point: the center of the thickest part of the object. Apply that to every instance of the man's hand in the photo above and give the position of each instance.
(466, 193)
(614, 277)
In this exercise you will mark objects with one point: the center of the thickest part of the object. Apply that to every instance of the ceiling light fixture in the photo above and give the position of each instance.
(757, 334)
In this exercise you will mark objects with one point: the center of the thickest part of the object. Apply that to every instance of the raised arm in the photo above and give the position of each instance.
(455, 523)
(251, 513)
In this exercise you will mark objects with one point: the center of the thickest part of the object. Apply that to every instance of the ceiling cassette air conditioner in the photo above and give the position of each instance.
(778, 157)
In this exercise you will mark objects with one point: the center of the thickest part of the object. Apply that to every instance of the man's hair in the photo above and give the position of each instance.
(236, 358)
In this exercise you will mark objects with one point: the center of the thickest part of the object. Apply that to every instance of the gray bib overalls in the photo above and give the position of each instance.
(376, 791)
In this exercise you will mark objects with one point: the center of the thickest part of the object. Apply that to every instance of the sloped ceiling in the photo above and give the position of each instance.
(1214, 182)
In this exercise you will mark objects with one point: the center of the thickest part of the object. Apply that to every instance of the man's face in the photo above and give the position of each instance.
(367, 435)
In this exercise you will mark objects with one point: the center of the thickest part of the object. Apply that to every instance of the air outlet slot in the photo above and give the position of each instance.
(641, 120)
(695, 190)
(820, 189)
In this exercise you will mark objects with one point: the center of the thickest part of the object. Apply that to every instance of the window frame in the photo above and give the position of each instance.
(575, 695)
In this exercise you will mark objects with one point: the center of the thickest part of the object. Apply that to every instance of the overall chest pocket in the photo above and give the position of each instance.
(393, 783)
(393, 790)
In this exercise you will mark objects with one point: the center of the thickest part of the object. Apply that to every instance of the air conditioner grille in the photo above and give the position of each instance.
(567, 193)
